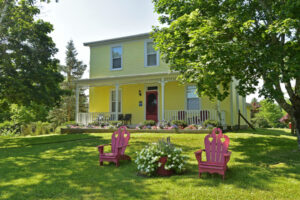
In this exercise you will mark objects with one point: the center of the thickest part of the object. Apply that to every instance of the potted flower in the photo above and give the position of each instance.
(161, 158)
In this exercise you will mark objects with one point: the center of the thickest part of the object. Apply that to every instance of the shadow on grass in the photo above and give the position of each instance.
(259, 159)
(15, 142)
(71, 170)
(269, 132)
(67, 170)
(264, 157)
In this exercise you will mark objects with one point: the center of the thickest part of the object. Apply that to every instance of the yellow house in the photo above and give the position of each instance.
(127, 77)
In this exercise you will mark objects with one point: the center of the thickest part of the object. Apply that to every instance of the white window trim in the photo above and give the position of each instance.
(110, 100)
(185, 98)
(146, 57)
(111, 57)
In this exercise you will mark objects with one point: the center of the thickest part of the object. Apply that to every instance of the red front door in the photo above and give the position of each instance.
(151, 105)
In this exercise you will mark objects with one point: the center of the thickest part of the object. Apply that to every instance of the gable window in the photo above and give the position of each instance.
(151, 56)
(113, 101)
(116, 58)
(192, 99)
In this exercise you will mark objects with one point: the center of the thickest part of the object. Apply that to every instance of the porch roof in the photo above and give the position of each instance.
(127, 79)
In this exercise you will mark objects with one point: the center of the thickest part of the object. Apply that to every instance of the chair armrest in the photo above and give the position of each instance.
(227, 154)
(101, 147)
(198, 155)
(227, 157)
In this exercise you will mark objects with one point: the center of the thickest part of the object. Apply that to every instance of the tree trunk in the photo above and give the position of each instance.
(297, 126)
(293, 126)
(297, 129)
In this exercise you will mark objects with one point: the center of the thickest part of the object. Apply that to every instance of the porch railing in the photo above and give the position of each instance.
(86, 118)
(194, 116)
(190, 116)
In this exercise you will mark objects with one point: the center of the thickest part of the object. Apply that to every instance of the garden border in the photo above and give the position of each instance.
(95, 130)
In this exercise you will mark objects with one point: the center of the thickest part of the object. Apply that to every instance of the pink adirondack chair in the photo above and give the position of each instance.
(119, 142)
(217, 154)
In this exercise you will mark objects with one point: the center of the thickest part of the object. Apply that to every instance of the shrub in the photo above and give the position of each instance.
(74, 123)
(179, 123)
(213, 123)
(10, 128)
(163, 124)
(4, 110)
(191, 127)
(116, 123)
(270, 113)
(95, 123)
(149, 123)
(147, 158)
(102, 124)
(57, 129)
(260, 122)
(37, 128)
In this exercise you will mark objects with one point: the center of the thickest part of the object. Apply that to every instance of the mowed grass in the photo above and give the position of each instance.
(264, 165)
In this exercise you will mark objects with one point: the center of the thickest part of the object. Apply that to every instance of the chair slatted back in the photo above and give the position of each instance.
(120, 138)
(216, 146)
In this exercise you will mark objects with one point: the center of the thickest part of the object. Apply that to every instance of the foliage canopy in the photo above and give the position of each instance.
(210, 42)
(28, 70)
(269, 115)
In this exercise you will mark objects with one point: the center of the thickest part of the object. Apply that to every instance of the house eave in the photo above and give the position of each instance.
(126, 79)
(118, 40)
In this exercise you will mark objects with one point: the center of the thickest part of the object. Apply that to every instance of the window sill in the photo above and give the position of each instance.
(151, 66)
(118, 69)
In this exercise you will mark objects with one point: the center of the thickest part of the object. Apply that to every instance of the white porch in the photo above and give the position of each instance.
(190, 116)
(171, 102)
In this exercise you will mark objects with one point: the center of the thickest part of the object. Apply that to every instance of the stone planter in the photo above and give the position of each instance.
(161, 171)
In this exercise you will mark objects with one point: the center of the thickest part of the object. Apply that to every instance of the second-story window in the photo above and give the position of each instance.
(116, 57)
(151, 56)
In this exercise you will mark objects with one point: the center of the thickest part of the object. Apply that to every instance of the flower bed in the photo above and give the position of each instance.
(101, 130)
(164, 125)
(177, 126)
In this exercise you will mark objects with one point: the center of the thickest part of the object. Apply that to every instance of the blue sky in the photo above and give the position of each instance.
(92, 20)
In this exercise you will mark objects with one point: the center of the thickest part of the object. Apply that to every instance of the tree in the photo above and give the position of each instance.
(270, 113)
(28, 70)
(73, 70)
(254, 107)
(212, 42)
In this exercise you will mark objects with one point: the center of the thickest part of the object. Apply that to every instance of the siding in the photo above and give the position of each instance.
(174, 100)
(133, 60)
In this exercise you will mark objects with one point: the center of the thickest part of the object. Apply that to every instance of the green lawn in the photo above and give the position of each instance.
(264, 165)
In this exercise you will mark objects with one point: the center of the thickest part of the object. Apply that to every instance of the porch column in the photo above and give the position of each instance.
(77, 103)
(219, 107)
(231, 104)
(162, 98)
(117, 102)
(237, 101)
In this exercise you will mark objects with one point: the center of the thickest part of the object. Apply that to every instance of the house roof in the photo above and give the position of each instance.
(119, 39)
